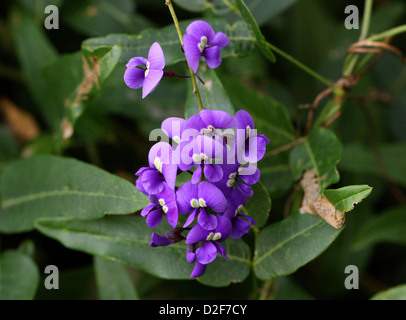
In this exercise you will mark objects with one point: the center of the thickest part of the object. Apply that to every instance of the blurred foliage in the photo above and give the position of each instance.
(71, 83)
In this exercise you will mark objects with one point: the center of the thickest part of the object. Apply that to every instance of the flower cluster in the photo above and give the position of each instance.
(219, 152)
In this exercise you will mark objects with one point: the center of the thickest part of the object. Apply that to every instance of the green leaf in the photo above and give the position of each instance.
(259, 205)
(389, 227)
(270, 117)
(285, 246)
(19, 276)
(34, 52)
(212, 94)
(264, 10)
(320, 152)
(395, 293)
(241, 41)
(8, 146)
(50, 186)
(252, 24)
(113, 281)
(276, 174)
(287, 289)
(194, 6)
(126, 240)
(344, 199)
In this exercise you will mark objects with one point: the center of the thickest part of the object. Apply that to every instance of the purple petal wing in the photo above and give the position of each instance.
(152, 181)
(250, 174)
(220, 40)
(196, 234)
(154, 218)
(198, 270)
(197, 175)
(169, 172)
(224, 227)
(156, 57)
(173, 127)
(206, 220)
(217, 118)
(213, 173)
(220, 249)
(213, 57)
(147, 209)
(192, 52)
(134, 77)
(206, 253)
(190, 218)
(243, 119)
(158, 241)
(151, 81)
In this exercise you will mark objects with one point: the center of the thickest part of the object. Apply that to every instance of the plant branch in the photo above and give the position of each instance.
(192, 74)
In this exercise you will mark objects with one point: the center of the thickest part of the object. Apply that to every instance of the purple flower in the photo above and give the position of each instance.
(202, 152)
(195, 199)
(161, 170)
(200, 40)
(146, 73)
(207, 252)
(167, 238)
(252, 145)
(173, 128)
(239, 225)
(163, 203)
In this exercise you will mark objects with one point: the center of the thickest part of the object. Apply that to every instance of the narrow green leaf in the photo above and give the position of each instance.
(389, 227)
(344, 199)
(126, 239)
(241, 41)
(50, 186)
(320, 152)
(395, 293)
(285, 246)
(212, 94)
(19, 276)
(113, 281)
(252, 24)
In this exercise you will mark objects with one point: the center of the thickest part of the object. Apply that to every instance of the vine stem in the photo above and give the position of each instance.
(180, 35)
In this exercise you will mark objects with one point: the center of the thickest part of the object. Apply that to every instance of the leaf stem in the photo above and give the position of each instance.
(179, 31)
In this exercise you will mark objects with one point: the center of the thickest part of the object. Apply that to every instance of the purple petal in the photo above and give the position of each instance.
(217, 118)
(170, 172)
(190, 218)
(191, 253)
(192, 51)
(213, 172)
(213, 57)
(167, 194)
(152, 181)
(249, 218)
(224, 227)
(200, 28)
(134, 77)
(173, 127)
(197, 175)
(245, 190)
(250, 174)
(220, 249)
(156, 57)
(139, 185)
(172, 214)
(194, 124)
(198, 270)
(206, 220)
(147, 209)
(161, 150)
(243, 119)
(240, 227)
(154, 218)
(158, 241)
(220, 40)
(184, 194)
(196, 234)
(151, 81)
(206, 253)
(213, 196)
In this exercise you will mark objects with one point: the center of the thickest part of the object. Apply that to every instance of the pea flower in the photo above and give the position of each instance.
(196, 199)
(163, 203)
(200, 40)
(207, 251)
(161, 170)
(146, 73)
